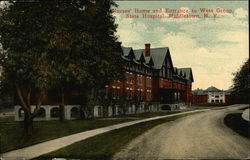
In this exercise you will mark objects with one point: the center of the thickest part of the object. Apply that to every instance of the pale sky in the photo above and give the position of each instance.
(214, 47)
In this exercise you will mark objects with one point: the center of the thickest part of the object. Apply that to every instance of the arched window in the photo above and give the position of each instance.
(166, 107)
(41, 112)
(74, 112)
(21, 112)
(54, 112)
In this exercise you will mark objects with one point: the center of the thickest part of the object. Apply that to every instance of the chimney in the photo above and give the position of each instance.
(147, 50)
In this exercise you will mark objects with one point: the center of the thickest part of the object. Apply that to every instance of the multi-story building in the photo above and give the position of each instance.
(152, 77)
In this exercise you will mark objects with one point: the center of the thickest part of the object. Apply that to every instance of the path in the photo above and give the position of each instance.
(202, 136)
(52, 145)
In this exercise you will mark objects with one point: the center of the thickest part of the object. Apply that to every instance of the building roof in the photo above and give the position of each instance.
(212, 89)
(199, 92)
(156, 60)
(184, 72)
(126, 50)
(157, 54)
(138, 54)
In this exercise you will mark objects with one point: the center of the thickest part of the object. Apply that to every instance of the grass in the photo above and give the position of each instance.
(104, 146)
(11, 136)
(238, 124)
(11, 132)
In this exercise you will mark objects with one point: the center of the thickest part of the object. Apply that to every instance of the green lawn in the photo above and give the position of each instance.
(104, 146)
(11, 132)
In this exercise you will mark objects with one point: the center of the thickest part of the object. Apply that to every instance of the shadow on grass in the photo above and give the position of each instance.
(244, 108)
(238, 124)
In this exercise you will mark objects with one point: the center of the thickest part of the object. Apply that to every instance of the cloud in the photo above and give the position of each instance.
(128, 37)
(213, 65)
(214, 48)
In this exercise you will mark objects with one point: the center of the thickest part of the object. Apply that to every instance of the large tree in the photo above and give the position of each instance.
(24, 62)
(57, 45)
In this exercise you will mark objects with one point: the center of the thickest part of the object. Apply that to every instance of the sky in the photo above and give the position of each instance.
(213, 47)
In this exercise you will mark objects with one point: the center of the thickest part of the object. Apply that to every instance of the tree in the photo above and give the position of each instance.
(24, 60)
(241, 82)
(87, 43)
(58, 44)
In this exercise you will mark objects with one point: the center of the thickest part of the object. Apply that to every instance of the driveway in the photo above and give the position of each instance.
(202, 136)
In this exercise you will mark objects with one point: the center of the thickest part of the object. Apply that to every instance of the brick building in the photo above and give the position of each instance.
(152, 77)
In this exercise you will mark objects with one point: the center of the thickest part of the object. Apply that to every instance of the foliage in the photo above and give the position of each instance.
(57, 45)
(242, 78)
(24, 60)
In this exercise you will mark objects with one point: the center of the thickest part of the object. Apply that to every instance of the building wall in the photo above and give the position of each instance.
(216, 97)
(199, 99)
(147, 88)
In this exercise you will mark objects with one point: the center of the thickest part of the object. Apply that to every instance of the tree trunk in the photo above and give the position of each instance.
(62, 108)
(28, 126)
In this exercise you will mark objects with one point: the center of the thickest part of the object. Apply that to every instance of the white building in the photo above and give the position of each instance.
(215, 95)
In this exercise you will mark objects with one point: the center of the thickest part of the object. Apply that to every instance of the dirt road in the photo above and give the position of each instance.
(202, 136)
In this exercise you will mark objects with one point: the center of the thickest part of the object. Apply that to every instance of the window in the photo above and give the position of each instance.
(114, 92)
(162, 83)
(216, 96)
(148, 83)
(41, 112)
(129, 93)
(54, 112)
(74, 112)
(140, 94)
(148, 95)
(118, 93)
(99, 110)
(139, 80)
(106, 91)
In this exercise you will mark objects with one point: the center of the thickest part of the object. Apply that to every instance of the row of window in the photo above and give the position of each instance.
(116, 91)
(138, 68)
(216, 101)
(54, 113)
(217, 96)
(130, 80)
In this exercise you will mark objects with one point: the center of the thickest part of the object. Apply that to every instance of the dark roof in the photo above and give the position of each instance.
(188, 73)
(156, 60)
(157, 54)
(126, 50)
(184, 72)
(138, 54)
(199, 92)
(212, 89)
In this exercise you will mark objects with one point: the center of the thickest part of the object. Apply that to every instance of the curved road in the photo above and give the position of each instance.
(202, 136)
